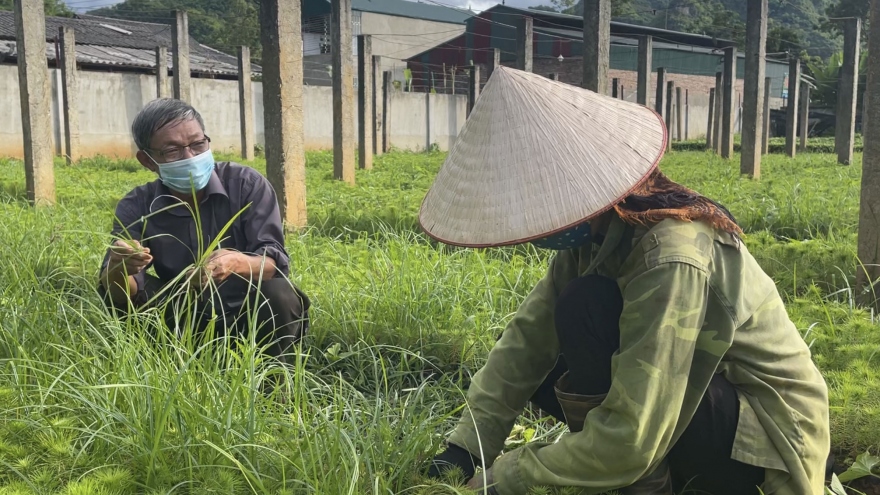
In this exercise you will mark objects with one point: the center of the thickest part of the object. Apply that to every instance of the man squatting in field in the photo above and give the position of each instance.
(155, 226)
(654, 334)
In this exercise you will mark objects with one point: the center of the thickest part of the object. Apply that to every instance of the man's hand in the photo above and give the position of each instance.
(129, 256)
(223, 263)
(126, 259)
(218, 267)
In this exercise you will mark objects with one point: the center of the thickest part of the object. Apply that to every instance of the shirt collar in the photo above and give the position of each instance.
(215, 185)
(616, 230)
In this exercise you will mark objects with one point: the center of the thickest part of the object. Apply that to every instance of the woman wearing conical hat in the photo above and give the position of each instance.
(654, 334)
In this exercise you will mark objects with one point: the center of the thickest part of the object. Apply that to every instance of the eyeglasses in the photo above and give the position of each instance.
(174, 153)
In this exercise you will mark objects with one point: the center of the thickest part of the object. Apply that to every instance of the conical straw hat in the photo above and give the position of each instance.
(536, 157)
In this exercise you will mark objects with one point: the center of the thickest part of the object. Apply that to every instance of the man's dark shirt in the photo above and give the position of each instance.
(163, 223)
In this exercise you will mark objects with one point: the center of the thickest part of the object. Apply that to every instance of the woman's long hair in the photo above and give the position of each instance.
(658, 198)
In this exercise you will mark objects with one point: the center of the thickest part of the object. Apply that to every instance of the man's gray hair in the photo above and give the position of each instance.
(159, 113)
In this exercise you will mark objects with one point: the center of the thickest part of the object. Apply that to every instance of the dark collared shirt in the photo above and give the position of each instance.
(166, 225)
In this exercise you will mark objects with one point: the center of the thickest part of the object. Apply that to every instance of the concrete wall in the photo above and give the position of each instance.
(420, 120)
(109, 102)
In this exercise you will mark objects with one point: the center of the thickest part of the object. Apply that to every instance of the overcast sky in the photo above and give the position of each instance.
(84, 5)
(485, 4)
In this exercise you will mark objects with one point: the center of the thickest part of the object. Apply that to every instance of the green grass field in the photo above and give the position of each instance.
(91, 406)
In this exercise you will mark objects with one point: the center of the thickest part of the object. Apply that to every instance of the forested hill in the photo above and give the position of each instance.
(795, 25)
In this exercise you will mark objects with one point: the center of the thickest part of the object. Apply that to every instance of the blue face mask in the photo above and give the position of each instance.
(176, 175)
(572, 238)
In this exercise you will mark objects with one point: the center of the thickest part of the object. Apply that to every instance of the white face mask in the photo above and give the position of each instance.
(176, 175)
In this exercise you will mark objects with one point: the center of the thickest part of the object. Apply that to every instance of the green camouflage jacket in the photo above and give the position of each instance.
(695, 303)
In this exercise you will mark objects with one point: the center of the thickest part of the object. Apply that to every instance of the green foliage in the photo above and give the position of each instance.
(793, 22)
(97, 404)
(825, 73)
(709, 17)
(564, 6)
(847, 8)
(782, 38)
(52, 7)
(865, 465)
(220, 24)
(575, 7)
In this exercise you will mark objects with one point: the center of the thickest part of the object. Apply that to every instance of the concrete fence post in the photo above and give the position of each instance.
(70, 84)
(180, 57)
(794, 78)
(161, 72)
(728, 112)
(710, 124)
(280, 36)
(844, 135)
(365, 102)
(473, 87)
(644, 69)
(765, 129)
(245, 103)
(753, 88)
(661, 87)
(36, 98)
(670, 89)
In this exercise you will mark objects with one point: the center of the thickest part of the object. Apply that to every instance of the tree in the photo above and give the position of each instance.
(220, 24)
(544, 8)
(846, 8)
(567, 6)
(826, 73)
(52, 7)
(618, 7)
(781, 39)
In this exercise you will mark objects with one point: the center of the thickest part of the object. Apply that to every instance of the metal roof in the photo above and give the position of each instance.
(617, 28)
(623, 40)
(139, 58)
(399, 8)
(102, 41)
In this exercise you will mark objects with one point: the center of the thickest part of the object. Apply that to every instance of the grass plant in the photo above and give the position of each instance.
(95, 404)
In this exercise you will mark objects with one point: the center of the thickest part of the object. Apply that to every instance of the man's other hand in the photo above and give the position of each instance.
(130, 256)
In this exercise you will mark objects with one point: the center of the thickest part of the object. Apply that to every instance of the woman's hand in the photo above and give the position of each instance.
(483, 482)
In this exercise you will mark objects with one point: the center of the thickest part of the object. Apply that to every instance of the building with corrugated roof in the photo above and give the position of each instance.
(105, 44)
(691, 60)
(399, 30)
